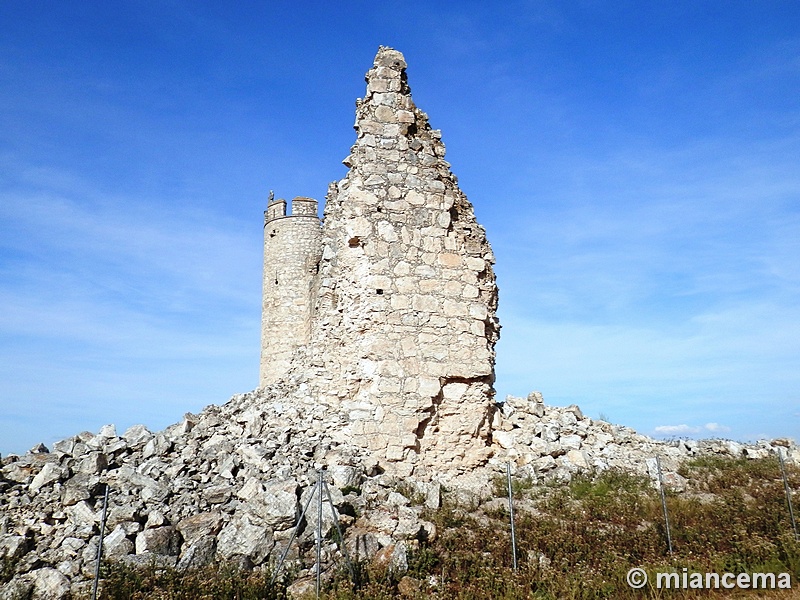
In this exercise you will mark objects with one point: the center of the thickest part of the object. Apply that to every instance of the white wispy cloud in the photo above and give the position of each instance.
(716, 428)
(676, 429)
(684, 429)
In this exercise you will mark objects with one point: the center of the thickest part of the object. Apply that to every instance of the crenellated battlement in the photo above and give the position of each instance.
(275, 210)
(304, 207)
(301, 207)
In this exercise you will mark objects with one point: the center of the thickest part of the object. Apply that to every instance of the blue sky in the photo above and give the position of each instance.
(635, 166)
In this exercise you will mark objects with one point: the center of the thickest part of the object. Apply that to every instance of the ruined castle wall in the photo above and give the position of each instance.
(405, 321)
(291, 255)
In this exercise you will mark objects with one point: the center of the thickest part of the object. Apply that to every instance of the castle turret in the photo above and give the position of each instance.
(291, 259)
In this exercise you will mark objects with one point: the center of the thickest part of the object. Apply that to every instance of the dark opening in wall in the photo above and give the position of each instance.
(379, 291)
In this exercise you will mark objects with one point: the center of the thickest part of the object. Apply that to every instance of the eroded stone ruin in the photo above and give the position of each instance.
(389, 308)
(378, 333)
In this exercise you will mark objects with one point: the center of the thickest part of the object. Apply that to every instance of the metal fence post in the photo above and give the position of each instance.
(319, 531)
(511, 512)
(100, 545)
(291, 539)
(788, 491)
(335, 516)
(664, 503)
(320, 487)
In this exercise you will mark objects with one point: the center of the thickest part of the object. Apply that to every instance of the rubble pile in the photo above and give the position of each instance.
(230, 483)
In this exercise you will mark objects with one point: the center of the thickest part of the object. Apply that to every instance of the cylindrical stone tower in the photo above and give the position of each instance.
(292, 247)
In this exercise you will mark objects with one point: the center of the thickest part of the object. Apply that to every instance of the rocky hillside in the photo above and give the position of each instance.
(230, 484)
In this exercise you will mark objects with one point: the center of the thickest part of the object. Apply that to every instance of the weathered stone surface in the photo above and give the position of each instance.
(402, 272)
(82, 486)
(278, 507)
(149, 560)
(137, 435)
(241, 537)
(159, 540)
(346, 476)
(49, 474)
(199, 553)
(117, 544)
(231, 512)
(19, 473)
(92, 464)
(408, 587)
(13, 547)
(578, 459)
(393, 557)
(302, 588)
(49, 584)
(201, 525)
(19, 588)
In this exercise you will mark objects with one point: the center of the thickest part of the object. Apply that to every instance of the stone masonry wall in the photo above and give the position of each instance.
(404, 325)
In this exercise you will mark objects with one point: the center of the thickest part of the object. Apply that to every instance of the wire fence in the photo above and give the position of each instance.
(320, 494)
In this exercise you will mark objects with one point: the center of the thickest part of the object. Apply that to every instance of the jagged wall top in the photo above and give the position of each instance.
(404, 322)
(391, 129)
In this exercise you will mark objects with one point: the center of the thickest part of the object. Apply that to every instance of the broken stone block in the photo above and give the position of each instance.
(117, 544)
(81, 486)
(164, 541)
(201, 525)
(198, 554)
(345, 476)
(19, 588)
(13, 547)
(393, 557)
(49, 584)
(578, 459)
(241, 537)
(50, 473)
(92, 464)
(137, 436)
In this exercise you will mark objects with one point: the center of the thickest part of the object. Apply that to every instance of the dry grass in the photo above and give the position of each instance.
(578, 543)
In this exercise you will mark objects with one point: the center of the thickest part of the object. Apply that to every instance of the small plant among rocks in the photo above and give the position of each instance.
(216, 582)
